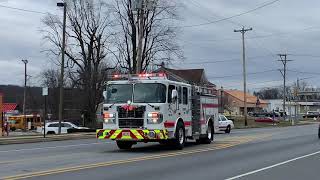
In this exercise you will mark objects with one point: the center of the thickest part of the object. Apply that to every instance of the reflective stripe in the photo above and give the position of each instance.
(114, 136)
(137, 134)
(132, 134)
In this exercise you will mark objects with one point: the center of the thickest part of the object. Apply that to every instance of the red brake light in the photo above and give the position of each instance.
(116, 76)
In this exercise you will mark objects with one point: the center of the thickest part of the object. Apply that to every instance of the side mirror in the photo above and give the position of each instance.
(174, 95)
(105, 94)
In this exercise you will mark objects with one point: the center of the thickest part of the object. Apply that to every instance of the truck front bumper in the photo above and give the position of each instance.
(132, 134)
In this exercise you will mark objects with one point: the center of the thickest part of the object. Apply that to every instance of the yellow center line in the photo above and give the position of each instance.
(117, 162)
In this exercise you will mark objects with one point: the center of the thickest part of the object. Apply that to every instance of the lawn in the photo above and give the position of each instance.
(239, 123)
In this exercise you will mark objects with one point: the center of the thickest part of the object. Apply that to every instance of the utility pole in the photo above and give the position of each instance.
(64, 5)
(284, 60)
(296, 102)
(243, 31)
(25, 92)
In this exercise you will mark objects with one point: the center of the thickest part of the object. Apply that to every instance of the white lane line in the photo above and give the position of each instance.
(272, 166)
(55, 147)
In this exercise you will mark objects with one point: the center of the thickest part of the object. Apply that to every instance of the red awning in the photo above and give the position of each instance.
(8, 107)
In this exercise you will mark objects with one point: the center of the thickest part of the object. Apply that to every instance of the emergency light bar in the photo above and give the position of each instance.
(139, 76)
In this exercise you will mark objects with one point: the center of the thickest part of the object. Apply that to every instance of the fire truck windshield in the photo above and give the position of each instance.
(142, 93)
(149, 93)
(119, 93)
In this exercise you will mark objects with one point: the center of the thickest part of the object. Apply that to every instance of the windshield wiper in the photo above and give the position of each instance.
(111, 105)
(151, 105)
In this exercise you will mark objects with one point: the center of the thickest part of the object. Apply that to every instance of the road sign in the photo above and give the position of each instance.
(45, 91)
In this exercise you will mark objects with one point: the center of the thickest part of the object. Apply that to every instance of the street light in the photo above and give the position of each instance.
(25, 91)
(64, 5)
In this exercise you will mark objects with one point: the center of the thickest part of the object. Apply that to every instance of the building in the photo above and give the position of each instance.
(1, 114)
(233, 102)
(195, 77)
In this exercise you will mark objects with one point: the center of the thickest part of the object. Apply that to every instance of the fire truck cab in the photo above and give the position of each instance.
(157, 108)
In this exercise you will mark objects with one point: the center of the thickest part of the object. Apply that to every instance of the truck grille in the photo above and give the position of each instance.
(137, 112)
(130, 123)
(131, 119)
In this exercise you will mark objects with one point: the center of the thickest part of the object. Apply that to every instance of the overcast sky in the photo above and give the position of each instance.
(286, 26)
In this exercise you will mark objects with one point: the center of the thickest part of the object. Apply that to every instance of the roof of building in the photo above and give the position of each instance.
(192, 76)
(240, 96)
(8, 107)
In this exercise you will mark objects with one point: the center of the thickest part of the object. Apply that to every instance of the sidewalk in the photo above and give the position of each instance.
(36, 137)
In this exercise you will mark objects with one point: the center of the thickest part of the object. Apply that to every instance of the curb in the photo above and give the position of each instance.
(49, 138)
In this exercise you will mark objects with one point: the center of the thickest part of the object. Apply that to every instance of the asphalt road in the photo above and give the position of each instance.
(268, 153)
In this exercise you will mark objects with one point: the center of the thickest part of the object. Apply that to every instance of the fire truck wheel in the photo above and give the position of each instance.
(207, 138)
(180, 136)
(124, 144)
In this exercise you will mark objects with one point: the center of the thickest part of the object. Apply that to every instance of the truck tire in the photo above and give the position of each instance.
(124, 144)
(319, 132)
(209, 135)
(180, 136)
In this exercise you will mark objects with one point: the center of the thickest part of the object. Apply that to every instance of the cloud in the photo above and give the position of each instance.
(286, 26)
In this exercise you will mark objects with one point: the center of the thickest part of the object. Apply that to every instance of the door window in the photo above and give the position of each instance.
(54, 125)
(179, 95)
(66, 125)
(223, 118)
(185, 95)
(171, 87)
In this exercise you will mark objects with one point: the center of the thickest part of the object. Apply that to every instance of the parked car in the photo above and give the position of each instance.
(311, 114)
(53, 127)
(266, 120)
(225, 124)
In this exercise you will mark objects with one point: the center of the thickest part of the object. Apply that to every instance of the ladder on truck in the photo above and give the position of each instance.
(198, 92)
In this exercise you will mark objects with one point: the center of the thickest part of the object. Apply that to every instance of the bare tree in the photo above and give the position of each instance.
(88, 38)
(50, 78)
(159, 34)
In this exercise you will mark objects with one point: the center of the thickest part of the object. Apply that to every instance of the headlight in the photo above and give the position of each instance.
(109, 118)
(155, 118)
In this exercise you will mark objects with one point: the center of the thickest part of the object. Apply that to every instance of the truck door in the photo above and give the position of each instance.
(172, 105)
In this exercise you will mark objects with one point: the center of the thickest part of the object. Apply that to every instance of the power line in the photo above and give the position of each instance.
(261, 36)
(221, 61)
(254, 83)
(208, 20)
(236, 15)
(304, 72)
(306, 55)
(21, 9)
(233, 75)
